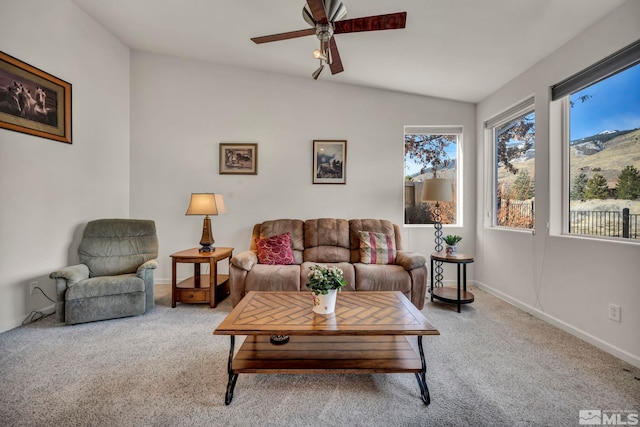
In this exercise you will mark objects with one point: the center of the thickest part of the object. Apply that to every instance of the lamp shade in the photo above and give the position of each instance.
(206, 204)
(437, 190)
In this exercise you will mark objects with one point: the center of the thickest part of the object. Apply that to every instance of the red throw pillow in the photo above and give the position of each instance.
(275, 250)
(377, 248)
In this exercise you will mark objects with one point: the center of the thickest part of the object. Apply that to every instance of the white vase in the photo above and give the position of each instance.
(325, 304)
(452, 249)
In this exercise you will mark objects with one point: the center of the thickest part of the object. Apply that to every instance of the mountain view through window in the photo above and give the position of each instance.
(604, 157)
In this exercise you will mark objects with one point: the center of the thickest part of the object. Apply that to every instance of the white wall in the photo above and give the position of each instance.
(181, 110)
(48, 189)
(568, 281)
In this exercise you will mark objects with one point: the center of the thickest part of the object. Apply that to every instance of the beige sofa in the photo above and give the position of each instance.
(328, 241)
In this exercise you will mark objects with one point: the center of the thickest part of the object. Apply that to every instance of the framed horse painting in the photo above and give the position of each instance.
(238, 158)
(34, 102)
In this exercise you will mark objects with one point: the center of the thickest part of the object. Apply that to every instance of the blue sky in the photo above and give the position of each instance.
(614, 105)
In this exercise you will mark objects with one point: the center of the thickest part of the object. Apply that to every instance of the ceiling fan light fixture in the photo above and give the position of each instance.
(319, 54)
(326, 18)
(317, 72)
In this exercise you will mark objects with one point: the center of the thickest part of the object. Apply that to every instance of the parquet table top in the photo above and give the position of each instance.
(357, 313)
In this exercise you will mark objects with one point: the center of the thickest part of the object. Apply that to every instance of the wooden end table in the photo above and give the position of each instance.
(461, 296)
(366, 334)
(200, 288)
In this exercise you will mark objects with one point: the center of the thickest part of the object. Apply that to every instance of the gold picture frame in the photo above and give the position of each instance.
(33, 101)
(238, 158)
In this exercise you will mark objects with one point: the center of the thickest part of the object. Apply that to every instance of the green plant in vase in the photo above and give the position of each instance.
(325, 282)
(452, 243)
(322, 279)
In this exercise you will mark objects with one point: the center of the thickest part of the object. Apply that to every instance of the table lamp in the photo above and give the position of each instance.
(206, 204)
(437, 190)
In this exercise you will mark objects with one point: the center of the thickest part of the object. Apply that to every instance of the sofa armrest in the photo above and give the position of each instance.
(72, 274)
(152, 264)
(245, 260)
(410, 260)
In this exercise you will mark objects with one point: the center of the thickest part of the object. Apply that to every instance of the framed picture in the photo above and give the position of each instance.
(34, 102)
(238, 158)
(330, 162)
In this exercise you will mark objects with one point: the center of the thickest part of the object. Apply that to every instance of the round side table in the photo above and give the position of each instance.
(447, 294)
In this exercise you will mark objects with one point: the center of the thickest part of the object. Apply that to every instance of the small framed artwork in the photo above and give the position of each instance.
(329, 162)
(238, 158)
(34, 102)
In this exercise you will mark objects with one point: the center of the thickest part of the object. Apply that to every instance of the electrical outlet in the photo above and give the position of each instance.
(32, 287)
(614, 312)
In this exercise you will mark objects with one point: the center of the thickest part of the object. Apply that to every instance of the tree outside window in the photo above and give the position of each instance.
(514, 145)
(430, 155)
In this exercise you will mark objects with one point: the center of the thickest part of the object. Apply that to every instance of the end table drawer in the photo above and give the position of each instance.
(192, 296)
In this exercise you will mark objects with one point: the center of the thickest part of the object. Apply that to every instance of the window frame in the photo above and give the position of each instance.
(559, 127)
(457, 130)
(520, 109)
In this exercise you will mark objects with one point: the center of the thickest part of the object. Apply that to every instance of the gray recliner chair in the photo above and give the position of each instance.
(115, 275)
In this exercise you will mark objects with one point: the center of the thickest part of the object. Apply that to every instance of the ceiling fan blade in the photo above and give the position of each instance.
(317, 10)
(390, 21)
(336, 62)
(284, 36)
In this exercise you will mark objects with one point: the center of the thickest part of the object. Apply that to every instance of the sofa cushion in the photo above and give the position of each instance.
(348, 271)
(377, 248)
(275, 250)
(273, 278)
(326, 240)
(373, 277)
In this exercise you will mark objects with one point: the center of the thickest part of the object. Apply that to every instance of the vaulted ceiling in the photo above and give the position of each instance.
(455, 49)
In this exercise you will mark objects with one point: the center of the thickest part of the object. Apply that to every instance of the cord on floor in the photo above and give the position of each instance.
(34, 316)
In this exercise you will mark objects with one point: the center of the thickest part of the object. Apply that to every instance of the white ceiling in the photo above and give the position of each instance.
(455, 49)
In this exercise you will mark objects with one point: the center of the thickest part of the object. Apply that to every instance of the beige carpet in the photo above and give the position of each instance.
(493, 365)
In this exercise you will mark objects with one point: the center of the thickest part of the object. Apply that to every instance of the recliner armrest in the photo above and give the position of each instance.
(149, 265)
(410, 260)
(245, 260)
(73, 273)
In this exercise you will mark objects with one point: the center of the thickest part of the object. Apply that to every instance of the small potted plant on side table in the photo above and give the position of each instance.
(452, 243)
(325, 282)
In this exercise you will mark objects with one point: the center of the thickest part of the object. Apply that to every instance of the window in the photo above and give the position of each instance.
(514, 166)
(602, 113)
(431, 152)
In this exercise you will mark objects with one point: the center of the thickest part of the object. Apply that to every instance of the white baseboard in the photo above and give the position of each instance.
(603, 345)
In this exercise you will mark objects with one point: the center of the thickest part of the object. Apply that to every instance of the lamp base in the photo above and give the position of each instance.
(207, 240)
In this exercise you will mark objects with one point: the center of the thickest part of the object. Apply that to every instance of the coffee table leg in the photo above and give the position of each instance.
(421, 376)
(232, 375)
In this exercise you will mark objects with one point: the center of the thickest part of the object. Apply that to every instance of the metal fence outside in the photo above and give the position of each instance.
(605, 223)
(516, 213)
(520, 213)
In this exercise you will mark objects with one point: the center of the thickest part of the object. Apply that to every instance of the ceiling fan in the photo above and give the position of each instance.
(326, 19)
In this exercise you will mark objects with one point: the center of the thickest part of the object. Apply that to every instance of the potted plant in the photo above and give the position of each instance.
(324, 282)
(452, 243)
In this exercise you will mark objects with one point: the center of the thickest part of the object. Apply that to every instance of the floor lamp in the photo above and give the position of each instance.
(437, 190)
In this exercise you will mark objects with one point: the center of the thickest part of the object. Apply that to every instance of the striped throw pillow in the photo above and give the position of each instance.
(377, 248)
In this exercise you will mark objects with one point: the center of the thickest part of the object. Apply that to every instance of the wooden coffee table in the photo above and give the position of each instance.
(366, 334)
